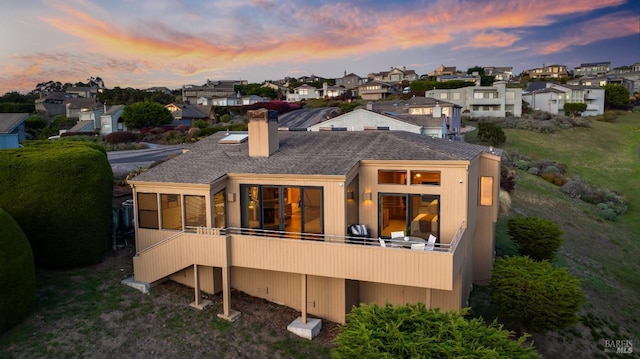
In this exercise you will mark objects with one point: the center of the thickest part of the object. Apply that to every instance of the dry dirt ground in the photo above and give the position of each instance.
(88, 313)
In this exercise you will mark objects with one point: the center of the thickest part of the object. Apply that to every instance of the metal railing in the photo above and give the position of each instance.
(328, 238)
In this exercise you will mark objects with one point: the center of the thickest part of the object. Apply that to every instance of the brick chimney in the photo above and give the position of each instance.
(263, 132)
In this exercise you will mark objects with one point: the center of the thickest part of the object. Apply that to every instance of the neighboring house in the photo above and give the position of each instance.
(499, 73)
(12, 129)
(552, 98)
(83, 91)
(93, 115)
(226, 101)
(111, 120)
(395, 75)
(497, 100)
(450, 111)
(377, 90)
(252, 99)
(366, 119)
(76, 106)
(333, 91)
(548, 72)
(164, 90)
(267, 212)
(185, 114)
(443, 71)
(280, 89)
(350, 81)
(304, 92)
(474, 77)
(592, 69)
(225, 88)
(424, 106)
(310, 79)
(83, 126)
(53, 104)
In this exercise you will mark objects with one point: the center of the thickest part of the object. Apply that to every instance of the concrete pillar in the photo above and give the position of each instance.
(304, 299)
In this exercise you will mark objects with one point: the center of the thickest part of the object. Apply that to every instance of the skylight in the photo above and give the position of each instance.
(234, 138)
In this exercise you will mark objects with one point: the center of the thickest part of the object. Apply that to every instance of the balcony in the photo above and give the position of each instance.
(304, 253)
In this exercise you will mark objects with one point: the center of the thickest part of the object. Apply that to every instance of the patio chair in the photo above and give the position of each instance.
(431, 243)
(358, 231)
(418, 246)
(382, 242)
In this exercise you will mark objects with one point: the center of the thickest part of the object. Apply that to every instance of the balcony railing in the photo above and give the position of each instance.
(392, 243)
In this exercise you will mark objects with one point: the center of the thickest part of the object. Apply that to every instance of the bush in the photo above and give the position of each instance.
(17, 273)
(174, 138)
(491, 133)
(534, 171)
(412, 331)
(120, 137)
(535, 296)
(209, 131)
(505, 202)
(537, 238)
(522, 164)
(60, 194)
(608, 213)
(226, 118)
(201, 124)
(507, 179)
(610, 116)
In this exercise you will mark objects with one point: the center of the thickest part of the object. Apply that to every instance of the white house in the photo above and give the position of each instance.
(365, 119)
(552, 98)
(304, 92)
(497, 100)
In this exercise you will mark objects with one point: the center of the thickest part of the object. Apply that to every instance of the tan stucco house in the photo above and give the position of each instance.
(267, 212)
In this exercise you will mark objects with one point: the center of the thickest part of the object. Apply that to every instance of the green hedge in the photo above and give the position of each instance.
(413, 331)
(60, 193)
(17, 273)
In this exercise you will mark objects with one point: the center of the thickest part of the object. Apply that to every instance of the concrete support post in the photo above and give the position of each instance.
(304, 299)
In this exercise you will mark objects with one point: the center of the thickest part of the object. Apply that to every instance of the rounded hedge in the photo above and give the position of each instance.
(537, 238)
(60, 193)
(535, 296)
(413, 331)
(17, 273)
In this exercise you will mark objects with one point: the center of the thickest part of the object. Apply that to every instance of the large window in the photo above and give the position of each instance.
(415, 215)
(171, 211)
(282, 208)
(486, 191)
(148, 210)
(219, 210)
(195, 211)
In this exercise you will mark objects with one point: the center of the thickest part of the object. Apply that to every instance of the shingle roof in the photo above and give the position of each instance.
(9, 121)
(306, 153)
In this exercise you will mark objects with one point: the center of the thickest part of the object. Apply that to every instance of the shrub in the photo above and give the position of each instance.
(121, 137)
(412, 331)
(576, 187)
(505, 202)
(182, 128)
(225, 118)
(534, 171)
(491, 133)
(193, 132)
(507, 179)
(60, 194)
(201, 124)
(608, 213)
(535, 296)
(17, 273)
(209, 131)
(537, 238)
(522, 164)
(551, 169)
(174, 138)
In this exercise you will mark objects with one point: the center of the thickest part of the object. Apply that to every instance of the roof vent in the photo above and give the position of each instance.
(234, 138)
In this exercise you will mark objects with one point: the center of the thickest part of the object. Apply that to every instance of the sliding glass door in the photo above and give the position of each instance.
(415, 215)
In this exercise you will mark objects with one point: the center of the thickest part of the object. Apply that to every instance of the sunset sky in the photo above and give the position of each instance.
(176, 42)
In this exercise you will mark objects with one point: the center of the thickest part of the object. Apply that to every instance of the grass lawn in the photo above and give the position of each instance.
(603, 254)
(88, 313)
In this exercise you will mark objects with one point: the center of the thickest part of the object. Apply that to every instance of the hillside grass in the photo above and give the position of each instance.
(603, 254)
